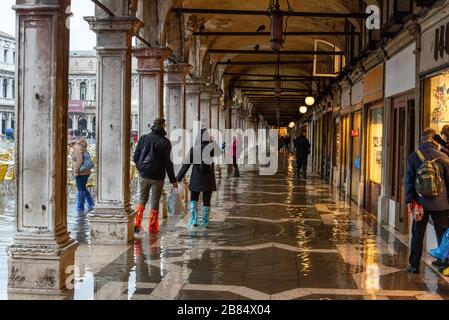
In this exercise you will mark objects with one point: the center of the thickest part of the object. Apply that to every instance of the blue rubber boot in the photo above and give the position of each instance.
(205, 214)
(193, 213)
(90, 201)
(80, 199)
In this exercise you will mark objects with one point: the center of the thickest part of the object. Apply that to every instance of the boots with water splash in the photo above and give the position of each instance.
(193, 222)
(140, 209)
(154, 221)
(205, 216)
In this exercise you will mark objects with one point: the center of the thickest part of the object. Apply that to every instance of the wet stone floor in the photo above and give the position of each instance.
(273, 237)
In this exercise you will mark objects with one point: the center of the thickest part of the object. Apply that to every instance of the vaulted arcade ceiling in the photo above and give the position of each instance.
(234, 41)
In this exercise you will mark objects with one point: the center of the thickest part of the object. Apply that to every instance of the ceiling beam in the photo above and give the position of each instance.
(269, 88)
(249, 63)
(272, 76)
(264, 34)
(335, 15)
(269, 80)
(286, 52)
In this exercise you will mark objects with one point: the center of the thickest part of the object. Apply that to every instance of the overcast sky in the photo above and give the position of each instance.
(81, 37)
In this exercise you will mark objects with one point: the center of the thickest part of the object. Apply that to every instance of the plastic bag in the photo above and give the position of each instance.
(442, 252)
(174, 203)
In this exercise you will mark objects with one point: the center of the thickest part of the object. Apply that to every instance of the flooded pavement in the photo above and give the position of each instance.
(271, 237)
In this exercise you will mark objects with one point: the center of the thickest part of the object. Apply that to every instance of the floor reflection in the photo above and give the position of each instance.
(270, 237)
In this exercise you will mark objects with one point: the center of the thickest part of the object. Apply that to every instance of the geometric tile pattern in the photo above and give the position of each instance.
(270, 237)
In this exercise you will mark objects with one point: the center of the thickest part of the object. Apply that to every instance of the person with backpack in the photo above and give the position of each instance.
(82, 165)
(427, 185)
(202, 179)
(153, 161)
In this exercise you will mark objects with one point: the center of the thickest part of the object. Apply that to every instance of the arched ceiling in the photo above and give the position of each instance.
(297, 64)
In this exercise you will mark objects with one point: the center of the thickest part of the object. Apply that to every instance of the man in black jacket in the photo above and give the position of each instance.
(152, 158)
(436, 207)
(302, 146)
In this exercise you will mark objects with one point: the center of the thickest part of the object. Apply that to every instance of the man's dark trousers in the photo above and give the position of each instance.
(441, 224)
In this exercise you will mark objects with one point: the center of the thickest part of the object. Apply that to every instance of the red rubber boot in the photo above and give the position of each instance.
(140, 209)
(154, 222)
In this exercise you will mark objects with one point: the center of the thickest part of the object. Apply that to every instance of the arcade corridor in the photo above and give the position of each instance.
(270, 238)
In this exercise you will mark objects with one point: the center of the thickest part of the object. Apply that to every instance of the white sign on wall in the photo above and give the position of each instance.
(400, 72)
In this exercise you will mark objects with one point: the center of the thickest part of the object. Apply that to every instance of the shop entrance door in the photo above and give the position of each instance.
(374, 157)
(403, 145)
(356, 159)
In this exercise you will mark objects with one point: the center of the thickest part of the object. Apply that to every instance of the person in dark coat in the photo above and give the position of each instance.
(161, 164)
(435, 207)
(443, 140)
(302, 146)
(202, 179)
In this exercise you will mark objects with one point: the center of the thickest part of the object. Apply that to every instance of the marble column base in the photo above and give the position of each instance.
(41, 269)
(111, 229)
(383, 210)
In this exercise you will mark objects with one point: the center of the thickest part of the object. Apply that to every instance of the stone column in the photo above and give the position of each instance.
(112, 221)
(193, 101)
(89, 123)
(174, 95)
(75, 122)
(9, 121)
(205, 112)
(215, 105)
(150, 68)
(1, 122)
(42, 253)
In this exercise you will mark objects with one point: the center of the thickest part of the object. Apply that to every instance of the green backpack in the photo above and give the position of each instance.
(429, 183)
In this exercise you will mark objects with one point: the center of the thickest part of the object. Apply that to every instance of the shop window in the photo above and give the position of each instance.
(327, 65)
(375, 146)
(436, 102)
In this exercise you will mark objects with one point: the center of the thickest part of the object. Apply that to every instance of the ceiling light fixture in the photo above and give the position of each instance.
(303, 109)
(291, 125)
(277, 24)
(310, 101)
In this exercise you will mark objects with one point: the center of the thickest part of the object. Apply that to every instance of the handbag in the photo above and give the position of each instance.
(88, 164)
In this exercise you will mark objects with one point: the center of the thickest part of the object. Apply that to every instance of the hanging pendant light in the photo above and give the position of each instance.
(277, 26)
(291, 125)
(310, 99)
(303, 109)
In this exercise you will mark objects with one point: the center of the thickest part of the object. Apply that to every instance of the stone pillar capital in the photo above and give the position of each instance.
(151, 59)
(206, 91)
(176, 73)
(193, 85)
(114, 24)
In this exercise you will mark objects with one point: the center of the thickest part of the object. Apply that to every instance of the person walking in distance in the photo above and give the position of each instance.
(82, 166)
(153, 161)
(426, 184)
(302, 146)
(202, 179)
(235, 153)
